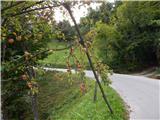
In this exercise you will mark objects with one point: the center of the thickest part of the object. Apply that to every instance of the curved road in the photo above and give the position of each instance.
(142, 94)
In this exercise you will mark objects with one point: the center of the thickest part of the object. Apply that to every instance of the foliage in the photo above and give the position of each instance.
(26, 29)
(65, 31)
(22, 36)
(85, 108)
(100, 14)
(130, 39)
(63, 99)
(58, 59)
(58, 91)
(138, 33)
(106, 43)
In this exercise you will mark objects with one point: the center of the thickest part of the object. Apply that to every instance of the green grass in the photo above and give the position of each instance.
(58, 58)
(58, 99)
(55, 91)
(85, 109)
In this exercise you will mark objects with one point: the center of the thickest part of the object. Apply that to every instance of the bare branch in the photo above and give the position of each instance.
(32, 5)
(88, 56)
(35, 55)
(13, 5)
(31, 10)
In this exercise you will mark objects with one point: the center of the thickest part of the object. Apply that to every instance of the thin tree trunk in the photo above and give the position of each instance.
(3, 51)
(88, 56)
(95, 92)
(34, 106)
(31, 74)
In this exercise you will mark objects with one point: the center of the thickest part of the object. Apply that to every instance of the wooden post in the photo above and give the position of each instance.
(95, 92)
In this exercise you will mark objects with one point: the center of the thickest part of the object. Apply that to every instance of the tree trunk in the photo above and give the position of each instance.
(34, 106)
(81, 41)
(31, 74)
(95, 91)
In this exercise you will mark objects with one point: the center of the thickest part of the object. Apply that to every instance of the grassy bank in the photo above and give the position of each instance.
(60, 99)
(85, 109)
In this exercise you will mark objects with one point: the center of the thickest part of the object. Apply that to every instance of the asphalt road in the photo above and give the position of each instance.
(142, 94)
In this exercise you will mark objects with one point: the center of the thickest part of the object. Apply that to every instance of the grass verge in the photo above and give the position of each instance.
(60, 99)
(85, 109)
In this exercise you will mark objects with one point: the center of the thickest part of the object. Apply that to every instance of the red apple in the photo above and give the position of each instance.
(10, 41)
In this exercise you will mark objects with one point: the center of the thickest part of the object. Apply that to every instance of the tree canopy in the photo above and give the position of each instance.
(130, 38)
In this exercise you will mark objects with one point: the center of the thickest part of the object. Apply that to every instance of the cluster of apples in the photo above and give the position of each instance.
(32, 84)
(11, 40)
(84, 49)
(78, 65)
(29, 84)
(83, 88)
(88, 44)
(68, 67)
(71, 50)
(26, 78)
(27, 55)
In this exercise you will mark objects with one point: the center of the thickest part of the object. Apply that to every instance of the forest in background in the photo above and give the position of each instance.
(126, 34)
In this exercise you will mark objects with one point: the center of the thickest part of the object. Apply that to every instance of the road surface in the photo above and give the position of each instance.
(142, 94)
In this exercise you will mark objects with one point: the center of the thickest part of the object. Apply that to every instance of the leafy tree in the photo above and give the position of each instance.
(26, 28)
(134, 21)
(100, 14)
(106, 43)
(131, 38)
(65, 31)
(25, 32)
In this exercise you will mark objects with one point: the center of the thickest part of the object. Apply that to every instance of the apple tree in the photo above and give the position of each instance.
(25, 30)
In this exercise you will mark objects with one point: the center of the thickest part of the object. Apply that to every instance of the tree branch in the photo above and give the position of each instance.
(35, 55)
(31, 10)
(32, 5)
(13, 5)
(88, 56)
